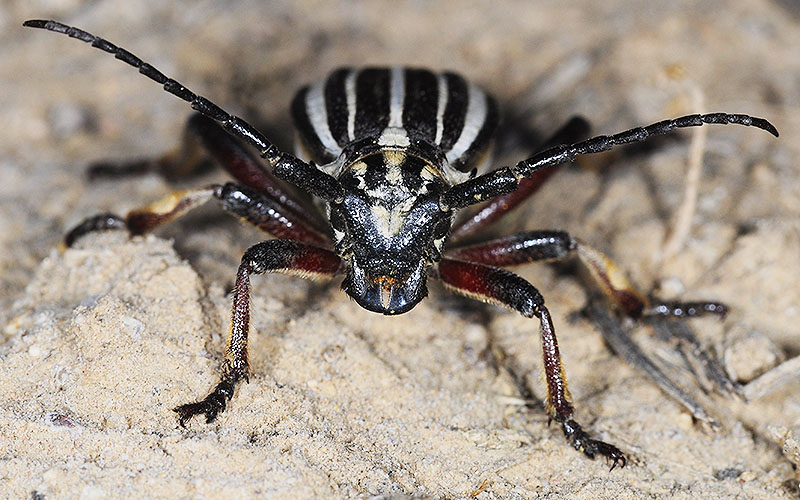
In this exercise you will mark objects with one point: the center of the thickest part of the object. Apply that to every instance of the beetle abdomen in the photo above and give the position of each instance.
(395, 107)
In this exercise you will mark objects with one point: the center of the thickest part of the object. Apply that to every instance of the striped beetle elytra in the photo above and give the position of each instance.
(392, 154)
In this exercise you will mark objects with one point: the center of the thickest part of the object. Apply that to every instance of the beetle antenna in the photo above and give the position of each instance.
(285, 166)
(567, 153)
(231, 123)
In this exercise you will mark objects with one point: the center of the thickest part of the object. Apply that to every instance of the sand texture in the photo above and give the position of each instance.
(101, 341)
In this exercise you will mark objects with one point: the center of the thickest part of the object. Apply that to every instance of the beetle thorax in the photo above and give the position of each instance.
(389, 229)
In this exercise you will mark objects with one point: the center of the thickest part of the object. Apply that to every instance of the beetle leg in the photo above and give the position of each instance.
(145, 219)
(273, 256)
(557, 245)
(204, 138)
(252, 206)
(535, 246)
(491, 284)
(575, 129)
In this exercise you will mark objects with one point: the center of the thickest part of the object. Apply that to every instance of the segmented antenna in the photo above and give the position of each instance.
(284, 165)
(233, 124)
(567, 153)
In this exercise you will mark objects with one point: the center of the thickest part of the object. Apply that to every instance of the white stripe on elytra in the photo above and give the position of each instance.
(318, 116)
(350, 92)
(397, 91)
(473, 122)
(394, 134)
(442, 105)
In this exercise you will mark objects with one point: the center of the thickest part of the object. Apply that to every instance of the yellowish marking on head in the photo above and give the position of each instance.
(394, 157)
(359, 168)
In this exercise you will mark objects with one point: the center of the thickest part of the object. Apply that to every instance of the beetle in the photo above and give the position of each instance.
(392, 154)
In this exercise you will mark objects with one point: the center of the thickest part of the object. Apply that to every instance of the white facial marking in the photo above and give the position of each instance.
(382, 220)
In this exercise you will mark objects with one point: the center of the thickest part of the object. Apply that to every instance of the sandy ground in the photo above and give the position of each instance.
(101, 341)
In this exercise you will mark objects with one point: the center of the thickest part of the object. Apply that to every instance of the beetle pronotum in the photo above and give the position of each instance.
(393, 154)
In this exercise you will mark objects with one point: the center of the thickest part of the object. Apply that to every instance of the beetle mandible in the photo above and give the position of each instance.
(393, 154)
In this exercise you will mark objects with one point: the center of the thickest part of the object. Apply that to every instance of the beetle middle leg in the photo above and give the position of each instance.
(492, 284)
(535, 246)
(250, 205)
(279, 211)
(273, 256)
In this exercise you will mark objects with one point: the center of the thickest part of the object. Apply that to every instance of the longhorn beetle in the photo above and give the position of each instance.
(393, 155)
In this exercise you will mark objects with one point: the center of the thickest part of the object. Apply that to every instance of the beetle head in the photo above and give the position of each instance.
(389, 229)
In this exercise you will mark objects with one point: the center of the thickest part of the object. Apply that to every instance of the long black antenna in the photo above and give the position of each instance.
(567, 153)
(285, 165)
(232, 124)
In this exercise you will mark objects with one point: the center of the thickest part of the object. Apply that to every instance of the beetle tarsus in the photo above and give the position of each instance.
(581, 441)
(686, 309)
(213, 404)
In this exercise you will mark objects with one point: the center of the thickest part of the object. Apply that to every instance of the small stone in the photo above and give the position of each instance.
(749, 356)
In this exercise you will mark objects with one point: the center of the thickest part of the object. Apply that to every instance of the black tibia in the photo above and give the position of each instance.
(575, 129)
(274, 256)
(99, 222)
(497, 183)
(491, 284)
(286, 166)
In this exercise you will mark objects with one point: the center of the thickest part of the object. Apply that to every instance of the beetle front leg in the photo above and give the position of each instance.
(274, 256)
(145, 219)
(502, 287)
